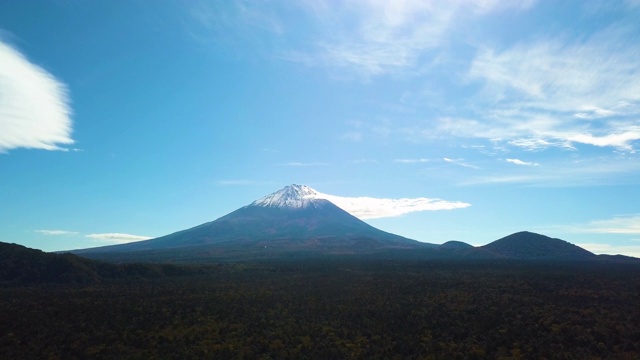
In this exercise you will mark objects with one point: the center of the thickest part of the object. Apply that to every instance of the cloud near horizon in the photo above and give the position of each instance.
(600, 248)
(34, 105)
(117, 238)
(373, 208)
(629, 224)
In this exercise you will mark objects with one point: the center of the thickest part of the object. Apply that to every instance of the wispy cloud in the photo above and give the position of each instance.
(460, 162)
(117, 238)
(375, 38)
(556, 92)
(587, 171)
(56, 232)
(600, 248)
(522, 163)
(371, 208)
(34, 105)
(367, 38)
(629, 224)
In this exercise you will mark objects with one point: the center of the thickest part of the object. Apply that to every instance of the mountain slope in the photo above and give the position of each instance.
(528, 245)
(292, 218)
(455, 245)
(21, 265)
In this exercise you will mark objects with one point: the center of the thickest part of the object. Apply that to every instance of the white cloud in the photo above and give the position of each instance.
(594, 112)
(460, 162)
(117, 238)
(380, 37)
(621, 140)
(371, 208)
(555, 92)
(367, 38)
(618, 225)
(34, 106)
(522, 163)
(56, 232)
(585, 171)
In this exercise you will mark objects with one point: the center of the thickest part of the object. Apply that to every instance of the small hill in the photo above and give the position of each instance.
(528, 245)
(455, 245)
(22, 265)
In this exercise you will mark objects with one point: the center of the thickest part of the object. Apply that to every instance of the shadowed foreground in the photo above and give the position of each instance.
(336, 309)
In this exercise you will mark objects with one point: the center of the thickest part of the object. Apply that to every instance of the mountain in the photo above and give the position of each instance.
(528, 245)
(293, 219)
(297, 222)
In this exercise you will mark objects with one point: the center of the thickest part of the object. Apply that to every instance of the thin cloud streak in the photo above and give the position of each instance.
(629, 224)
(599, 248)
(460, 162)
(34, 105)
(586, 172)
(117, 238)
(521, 163)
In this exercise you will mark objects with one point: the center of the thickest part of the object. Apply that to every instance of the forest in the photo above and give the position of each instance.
(334, 308)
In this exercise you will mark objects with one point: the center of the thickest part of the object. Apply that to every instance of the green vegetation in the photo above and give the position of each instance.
(335, 308)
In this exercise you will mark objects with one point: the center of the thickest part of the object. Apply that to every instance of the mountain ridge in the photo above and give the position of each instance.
(297, 221)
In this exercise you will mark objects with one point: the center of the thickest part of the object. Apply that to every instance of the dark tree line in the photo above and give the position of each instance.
(335, 309)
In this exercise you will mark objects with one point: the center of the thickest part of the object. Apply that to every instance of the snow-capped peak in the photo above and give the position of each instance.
(292, 196)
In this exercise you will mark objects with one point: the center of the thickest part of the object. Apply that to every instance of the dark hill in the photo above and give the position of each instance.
(455, 245)
(528, 245)
(22, 265)
(25, 265)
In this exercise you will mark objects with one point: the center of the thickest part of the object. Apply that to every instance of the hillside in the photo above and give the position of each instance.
(23, 265)
(528, 245)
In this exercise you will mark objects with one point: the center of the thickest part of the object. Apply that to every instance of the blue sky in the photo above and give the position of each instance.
(465, 120)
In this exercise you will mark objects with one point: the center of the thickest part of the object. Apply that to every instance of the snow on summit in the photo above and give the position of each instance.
(292, 196)
(301, 196)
